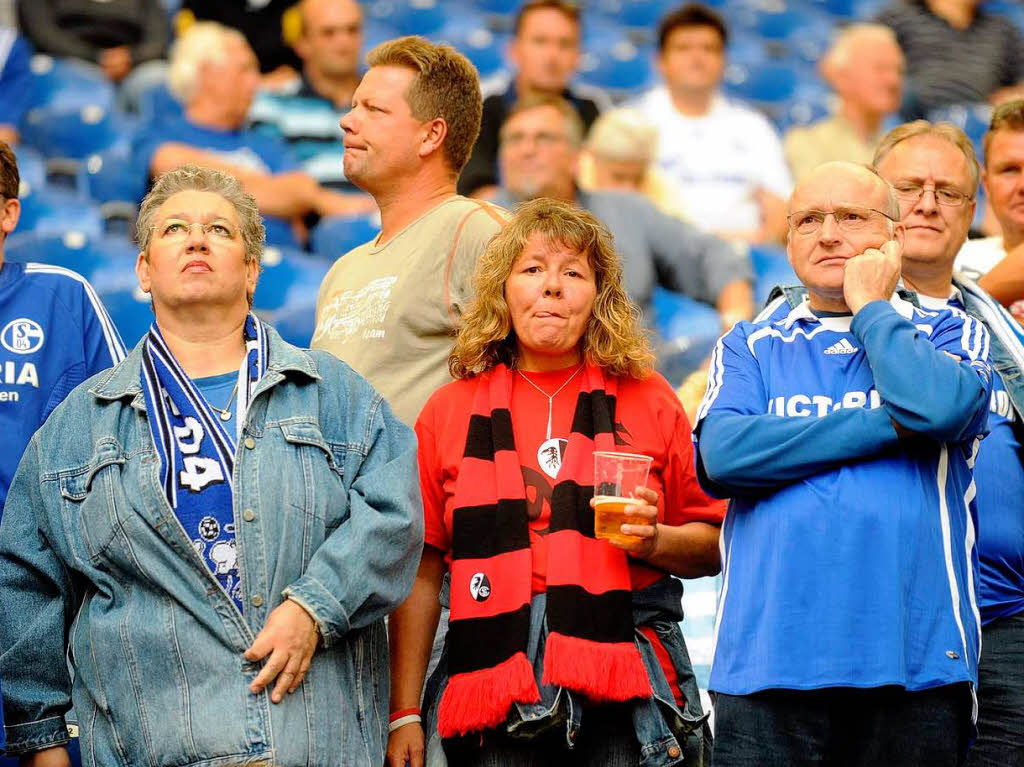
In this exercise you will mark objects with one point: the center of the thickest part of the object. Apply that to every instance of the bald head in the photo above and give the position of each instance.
(332, 36)
(844, 183)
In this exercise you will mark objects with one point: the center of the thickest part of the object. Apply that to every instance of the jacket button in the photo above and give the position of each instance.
(250, 443)
(674, 752)
(257, 600)
(248, 515)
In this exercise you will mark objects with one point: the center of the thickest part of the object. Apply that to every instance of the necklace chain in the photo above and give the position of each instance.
(225, 412)
(551, 397)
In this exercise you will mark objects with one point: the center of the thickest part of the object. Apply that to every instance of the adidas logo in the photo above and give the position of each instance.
(842, 347)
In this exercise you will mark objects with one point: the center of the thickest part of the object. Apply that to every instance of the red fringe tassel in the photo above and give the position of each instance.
(599, 670)
(478, 700)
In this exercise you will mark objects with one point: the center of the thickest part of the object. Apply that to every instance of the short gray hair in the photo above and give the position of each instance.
(190, 178)
(840, 54)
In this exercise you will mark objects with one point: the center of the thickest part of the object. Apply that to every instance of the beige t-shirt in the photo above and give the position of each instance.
(809, 146)
(390, 310)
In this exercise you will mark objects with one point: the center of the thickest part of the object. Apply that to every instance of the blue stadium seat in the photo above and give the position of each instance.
(644, 14)
(620, 68)
(288, 276)
(107, 262)
(972, 119)
(485, 49)
(74, 133)
(687, 331)
(69, 84)
(770, 83)
(376, 31)
(295, 322)
(31, 165)
(52, 211)
(771, 268)
(410, 17)
(131, 312)
(336, 235)
(499, 7)
(115, 182)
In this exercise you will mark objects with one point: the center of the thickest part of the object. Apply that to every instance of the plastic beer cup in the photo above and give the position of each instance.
(616, 477)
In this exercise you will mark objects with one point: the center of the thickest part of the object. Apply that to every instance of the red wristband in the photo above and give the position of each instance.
(403, 712)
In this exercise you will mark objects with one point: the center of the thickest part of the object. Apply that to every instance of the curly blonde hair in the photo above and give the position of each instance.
(614, 339)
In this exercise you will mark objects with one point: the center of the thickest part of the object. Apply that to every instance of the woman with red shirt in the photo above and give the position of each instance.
(562, 648)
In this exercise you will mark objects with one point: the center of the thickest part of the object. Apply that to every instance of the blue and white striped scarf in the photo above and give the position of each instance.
(197, 453)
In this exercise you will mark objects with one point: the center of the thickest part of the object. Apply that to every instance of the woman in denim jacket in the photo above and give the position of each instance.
(562, 649)
(210, 533)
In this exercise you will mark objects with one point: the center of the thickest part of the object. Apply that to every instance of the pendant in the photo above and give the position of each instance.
(225, 415)
(549, 455)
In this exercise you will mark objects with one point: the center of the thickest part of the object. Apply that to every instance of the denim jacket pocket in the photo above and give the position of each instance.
(322, 474)
(89, 499)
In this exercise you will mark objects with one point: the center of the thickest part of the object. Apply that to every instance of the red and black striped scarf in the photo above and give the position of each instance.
(590, 648)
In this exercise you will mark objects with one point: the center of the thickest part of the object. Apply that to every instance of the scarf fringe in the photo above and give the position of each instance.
(602, 671)
(479, 700)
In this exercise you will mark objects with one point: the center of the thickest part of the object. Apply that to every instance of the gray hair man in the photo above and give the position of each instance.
(935, 173)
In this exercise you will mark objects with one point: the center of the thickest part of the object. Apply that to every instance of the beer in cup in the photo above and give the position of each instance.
(616, 477)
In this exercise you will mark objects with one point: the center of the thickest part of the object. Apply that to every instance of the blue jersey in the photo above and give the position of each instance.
(999, 473)
(848, 552)
(54, 333)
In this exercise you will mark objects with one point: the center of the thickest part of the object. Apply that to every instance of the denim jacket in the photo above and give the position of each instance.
(1005, 333)
(94, 564)
(668, 736)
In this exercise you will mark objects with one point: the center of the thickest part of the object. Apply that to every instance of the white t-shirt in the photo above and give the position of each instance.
(977, 257)
(718, 159)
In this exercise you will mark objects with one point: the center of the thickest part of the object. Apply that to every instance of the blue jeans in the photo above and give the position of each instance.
(843, 727)
(606, 738)
(1000, 695)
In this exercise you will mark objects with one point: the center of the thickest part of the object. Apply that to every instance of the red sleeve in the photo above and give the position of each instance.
(431, 479)
(684, 500)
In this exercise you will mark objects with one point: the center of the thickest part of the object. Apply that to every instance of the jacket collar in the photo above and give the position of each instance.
(125, 379)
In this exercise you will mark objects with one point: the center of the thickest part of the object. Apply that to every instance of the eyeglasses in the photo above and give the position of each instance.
(175, 230)
(848, 219)
(944, 195)
(543, 139)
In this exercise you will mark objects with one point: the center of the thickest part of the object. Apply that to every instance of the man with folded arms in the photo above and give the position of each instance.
(844, 432)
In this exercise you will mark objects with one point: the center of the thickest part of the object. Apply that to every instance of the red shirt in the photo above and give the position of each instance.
(648, 419)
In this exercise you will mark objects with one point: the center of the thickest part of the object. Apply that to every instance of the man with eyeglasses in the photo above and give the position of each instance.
(935, 173)
(843, 431)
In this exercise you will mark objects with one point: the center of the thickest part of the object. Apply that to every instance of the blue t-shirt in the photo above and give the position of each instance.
(848, 556)
(213, 530)
(15, 77)
(999, 476)
(245, 148)
(54, 333)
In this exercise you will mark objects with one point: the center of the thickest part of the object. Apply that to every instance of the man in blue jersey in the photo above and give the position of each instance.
(844, 433)
(935, 174)
(54, 333)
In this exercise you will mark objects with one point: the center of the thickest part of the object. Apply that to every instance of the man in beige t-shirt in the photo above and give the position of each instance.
(389, 307)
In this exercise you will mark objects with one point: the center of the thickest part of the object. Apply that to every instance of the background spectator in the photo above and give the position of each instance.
(306, 113)
(545, 52)
(619, 154)
(956, 53)
(540, 143)
(726, 157)
(213, 72)
(118, 35)
(997, 263)
(15, 84)
(864, 67)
